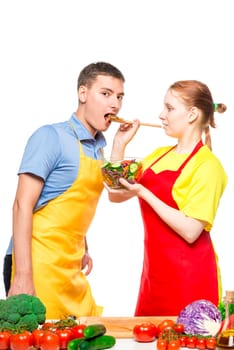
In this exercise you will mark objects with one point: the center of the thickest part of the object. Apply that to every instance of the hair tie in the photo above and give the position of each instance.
(216, 106)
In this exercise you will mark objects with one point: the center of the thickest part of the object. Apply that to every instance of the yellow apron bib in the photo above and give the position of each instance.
(58, 245)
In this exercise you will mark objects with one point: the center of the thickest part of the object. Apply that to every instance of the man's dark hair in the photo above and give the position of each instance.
(89, 73)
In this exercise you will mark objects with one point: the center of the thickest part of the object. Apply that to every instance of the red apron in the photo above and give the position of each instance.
(175, 273)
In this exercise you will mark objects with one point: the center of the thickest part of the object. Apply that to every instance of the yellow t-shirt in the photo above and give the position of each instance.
(197, 191)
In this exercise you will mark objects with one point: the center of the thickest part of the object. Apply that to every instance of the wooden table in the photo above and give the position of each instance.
(122, 327)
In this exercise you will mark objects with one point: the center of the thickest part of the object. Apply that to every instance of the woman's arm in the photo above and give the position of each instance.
(188, 228)
(123, 136)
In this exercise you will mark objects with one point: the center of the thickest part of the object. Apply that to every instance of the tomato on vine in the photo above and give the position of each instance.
(78, 331)
(211, 343)
(201, 343)
(5, 340)
(64, 336)
(36, 335)
(21, 341)
(183, 340)
(191, 342)
(179, 328)
(173, 344)
(166, 324)
(49, 341)
(162, 344)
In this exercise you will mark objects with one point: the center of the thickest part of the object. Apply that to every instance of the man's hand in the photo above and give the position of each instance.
(87, 263)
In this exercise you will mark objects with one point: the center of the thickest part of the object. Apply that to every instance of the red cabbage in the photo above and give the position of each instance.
(201, 317)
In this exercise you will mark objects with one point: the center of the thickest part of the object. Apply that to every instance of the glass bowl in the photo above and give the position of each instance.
(128, 168)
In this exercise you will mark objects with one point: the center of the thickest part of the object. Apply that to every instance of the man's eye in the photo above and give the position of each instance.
(120, 97)
(106, 94)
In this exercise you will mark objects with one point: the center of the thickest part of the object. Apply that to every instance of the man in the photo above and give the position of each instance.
(59, 186)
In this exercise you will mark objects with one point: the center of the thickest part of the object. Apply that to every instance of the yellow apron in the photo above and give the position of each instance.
(58, 245)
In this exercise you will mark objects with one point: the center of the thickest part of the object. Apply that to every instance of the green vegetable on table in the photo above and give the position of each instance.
(74, 343)
(21, 312)
(98, 343)
(94, 330)
(94, 339)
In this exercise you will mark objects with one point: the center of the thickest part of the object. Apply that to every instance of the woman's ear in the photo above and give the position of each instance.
(82, 93)
(193, 114)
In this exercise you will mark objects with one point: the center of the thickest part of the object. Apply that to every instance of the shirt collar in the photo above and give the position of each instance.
(83, 134)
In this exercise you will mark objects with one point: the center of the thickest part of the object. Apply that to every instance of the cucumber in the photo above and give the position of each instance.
(94, 330)
(99, 343)
(133, 168)
(74, 343)
(116, 165)
(106, 165)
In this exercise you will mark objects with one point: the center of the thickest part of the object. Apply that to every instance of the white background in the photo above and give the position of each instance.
(45, 44)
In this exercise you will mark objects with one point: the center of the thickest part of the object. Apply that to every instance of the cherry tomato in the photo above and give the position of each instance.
(211, 343)
(183, 340)
(179, 328)
(191, 342)
(64, 336)
(21, 341)
(161, 344)
(49, 325)
(5, 340)
(145, 332)
(165, 324)
(173, 344)
(49, 341)
(201, 343)
(36, 335)
(78, 331)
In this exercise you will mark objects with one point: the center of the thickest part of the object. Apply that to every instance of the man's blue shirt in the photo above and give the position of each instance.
(52, 153)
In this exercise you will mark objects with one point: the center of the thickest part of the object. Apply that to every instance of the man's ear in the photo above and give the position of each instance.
(193, 114)
(82, 93)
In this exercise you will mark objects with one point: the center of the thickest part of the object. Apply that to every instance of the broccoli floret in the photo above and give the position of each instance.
(28, 322)
(13, 318)
(41, 318)
(4, 325)
(37, 306)
(22, 311)
(25, 307)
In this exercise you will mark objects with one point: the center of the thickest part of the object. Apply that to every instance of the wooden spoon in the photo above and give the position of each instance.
(115, 118)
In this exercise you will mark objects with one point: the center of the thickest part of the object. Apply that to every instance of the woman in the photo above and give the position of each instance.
(179, 192)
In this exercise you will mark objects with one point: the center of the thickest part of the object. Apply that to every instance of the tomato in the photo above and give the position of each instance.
(145, 332)
(173, 344)
(165, 324)
(201, 343)
(49, 341)
(179, 328)
(161, 344)
(211, 343)
(49, 325)
(64, 336)
(21, 341)
(5, 340)
(78, 331)
(183, 340)
(36, 335)
(191, 342)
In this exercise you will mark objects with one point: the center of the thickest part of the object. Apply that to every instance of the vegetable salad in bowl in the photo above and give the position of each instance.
(127, 168)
